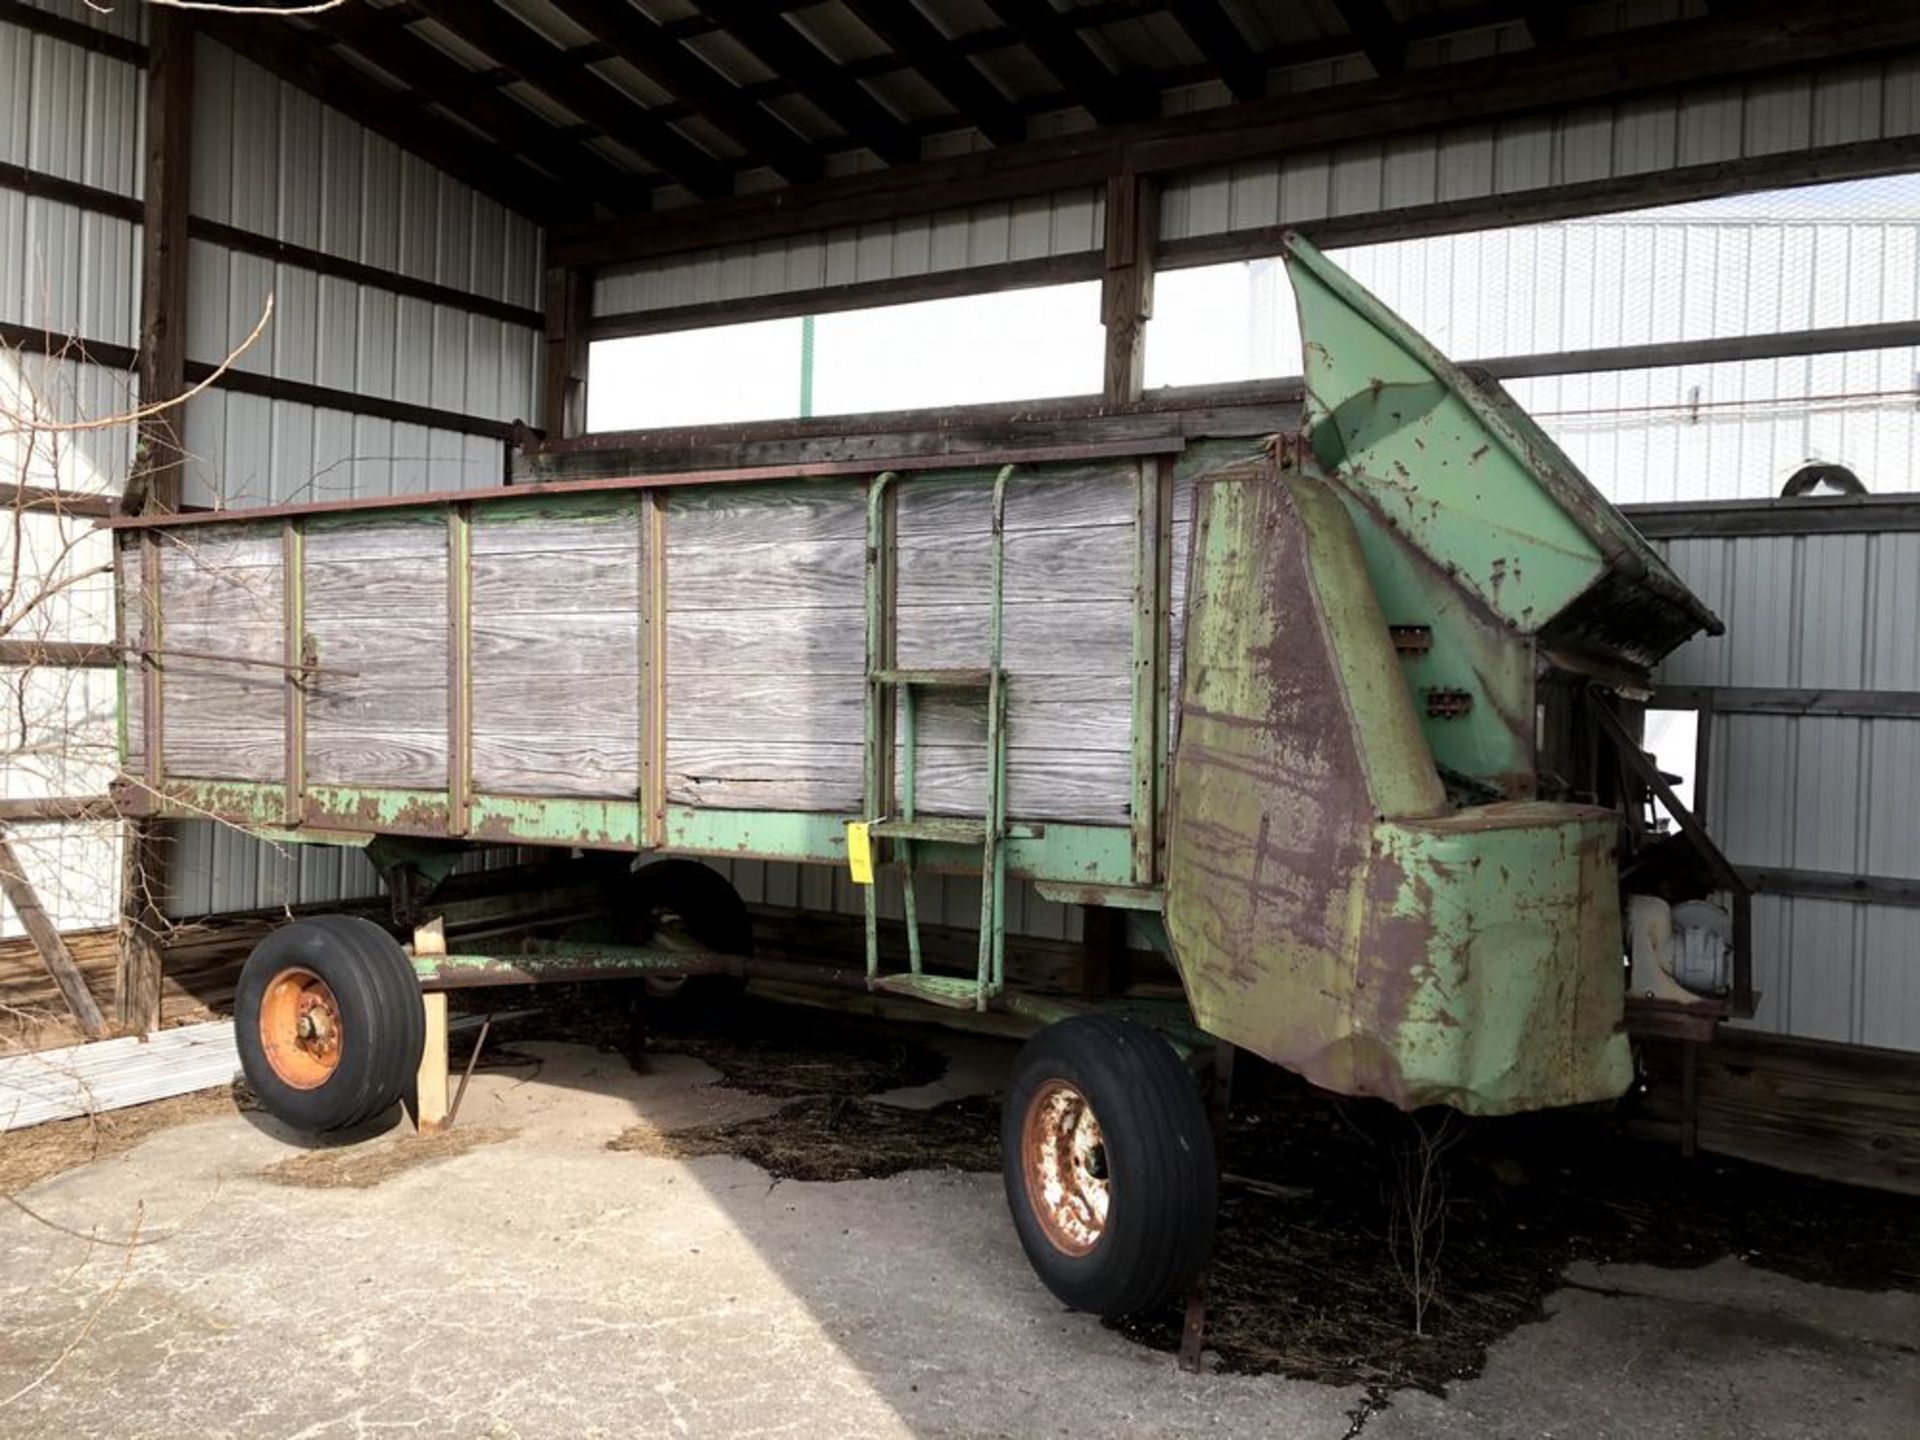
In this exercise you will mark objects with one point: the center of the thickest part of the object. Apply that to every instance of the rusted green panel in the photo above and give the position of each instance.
(1325, 906)
(1477, 487)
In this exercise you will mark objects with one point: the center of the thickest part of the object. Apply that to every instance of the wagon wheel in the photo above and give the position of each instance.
(328, 1022)
(1108, 1162)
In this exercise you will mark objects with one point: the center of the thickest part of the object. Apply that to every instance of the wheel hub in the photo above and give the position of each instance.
(1064, 1157)
(300, 1028)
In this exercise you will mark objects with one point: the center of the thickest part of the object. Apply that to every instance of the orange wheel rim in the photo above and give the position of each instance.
(300, 1028)
(1063, 1156)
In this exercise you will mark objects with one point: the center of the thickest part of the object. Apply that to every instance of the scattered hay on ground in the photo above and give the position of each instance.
(838, 1138)
(1305, 1281)
(40, 1152)
(361, 1167)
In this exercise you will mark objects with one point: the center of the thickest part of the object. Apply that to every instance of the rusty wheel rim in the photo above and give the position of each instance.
(300, 1028)
(1064, 1158)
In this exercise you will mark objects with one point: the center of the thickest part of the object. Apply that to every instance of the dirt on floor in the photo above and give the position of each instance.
(840, 1138)
(1357, 1245)
(40, 1152)
(360, 1167)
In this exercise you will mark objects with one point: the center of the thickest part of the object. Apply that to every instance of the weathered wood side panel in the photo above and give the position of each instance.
(376, 621)
(133, 635)
(1180, 538)
(222, 595)
(556, 647)
(1067, 636)
(766, 646)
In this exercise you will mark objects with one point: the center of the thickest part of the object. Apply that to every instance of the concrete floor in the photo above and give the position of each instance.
(544, 1286)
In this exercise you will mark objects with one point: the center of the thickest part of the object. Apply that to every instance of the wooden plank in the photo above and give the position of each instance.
(562, 524)
(653, 669)
(56, 807)
(778, 575)
(569, 313)
(57, 653)
(565, 761)
(582, 582)
(220, 748)
(430, 1084)
(1070, 712)
(130, 609)
(1081, 786)
(1126, 288)
(221, 546)
(1041, 565)
(1849, 1113)
(248, 640)
(416, 537)
(817, 777)
(554, 644)
(800, 706)
(160, 450)
(822, 641)
(1061, 497)
(829, 510)
(139, 964)
(1092, 637)
(556, 703)
(341, 590)
(410, 759)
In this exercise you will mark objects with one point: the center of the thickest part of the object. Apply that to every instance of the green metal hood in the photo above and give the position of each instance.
(1465, 476)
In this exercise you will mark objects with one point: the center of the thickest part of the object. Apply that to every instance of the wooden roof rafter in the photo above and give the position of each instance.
(436, 76)
(918, 42)
(787, 50)
(646, 44)
(1213, 33)
(1377, 34)
(1062, 48)
(544, 65)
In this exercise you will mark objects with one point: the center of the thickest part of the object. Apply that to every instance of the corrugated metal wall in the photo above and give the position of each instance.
(272, 160)
(1809, 259)
(76, 115)
(1066, 224)
(1829, 105)
(1817, 792)
(268, 159)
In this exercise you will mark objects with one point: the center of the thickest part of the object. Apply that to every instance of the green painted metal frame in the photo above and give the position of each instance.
(888, 695)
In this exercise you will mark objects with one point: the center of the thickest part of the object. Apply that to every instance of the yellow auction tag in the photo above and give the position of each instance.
(859, 853)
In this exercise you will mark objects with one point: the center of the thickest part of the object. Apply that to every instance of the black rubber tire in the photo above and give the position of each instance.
(383, 1024)
(1164, 1183)
(710, 909)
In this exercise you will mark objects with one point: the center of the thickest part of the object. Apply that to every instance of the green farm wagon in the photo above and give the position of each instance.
(1342, 717)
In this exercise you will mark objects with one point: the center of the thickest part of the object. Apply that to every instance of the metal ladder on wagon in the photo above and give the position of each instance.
(888, 685)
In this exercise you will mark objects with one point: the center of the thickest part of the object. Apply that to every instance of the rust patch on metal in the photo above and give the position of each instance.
(1063, 1160)
(300, 1028)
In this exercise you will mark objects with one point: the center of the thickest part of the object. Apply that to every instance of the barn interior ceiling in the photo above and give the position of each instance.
(598, 115)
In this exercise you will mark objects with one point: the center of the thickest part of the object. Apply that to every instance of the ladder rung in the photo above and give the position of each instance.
(947, 831)
(937, 679)
(949, 990)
